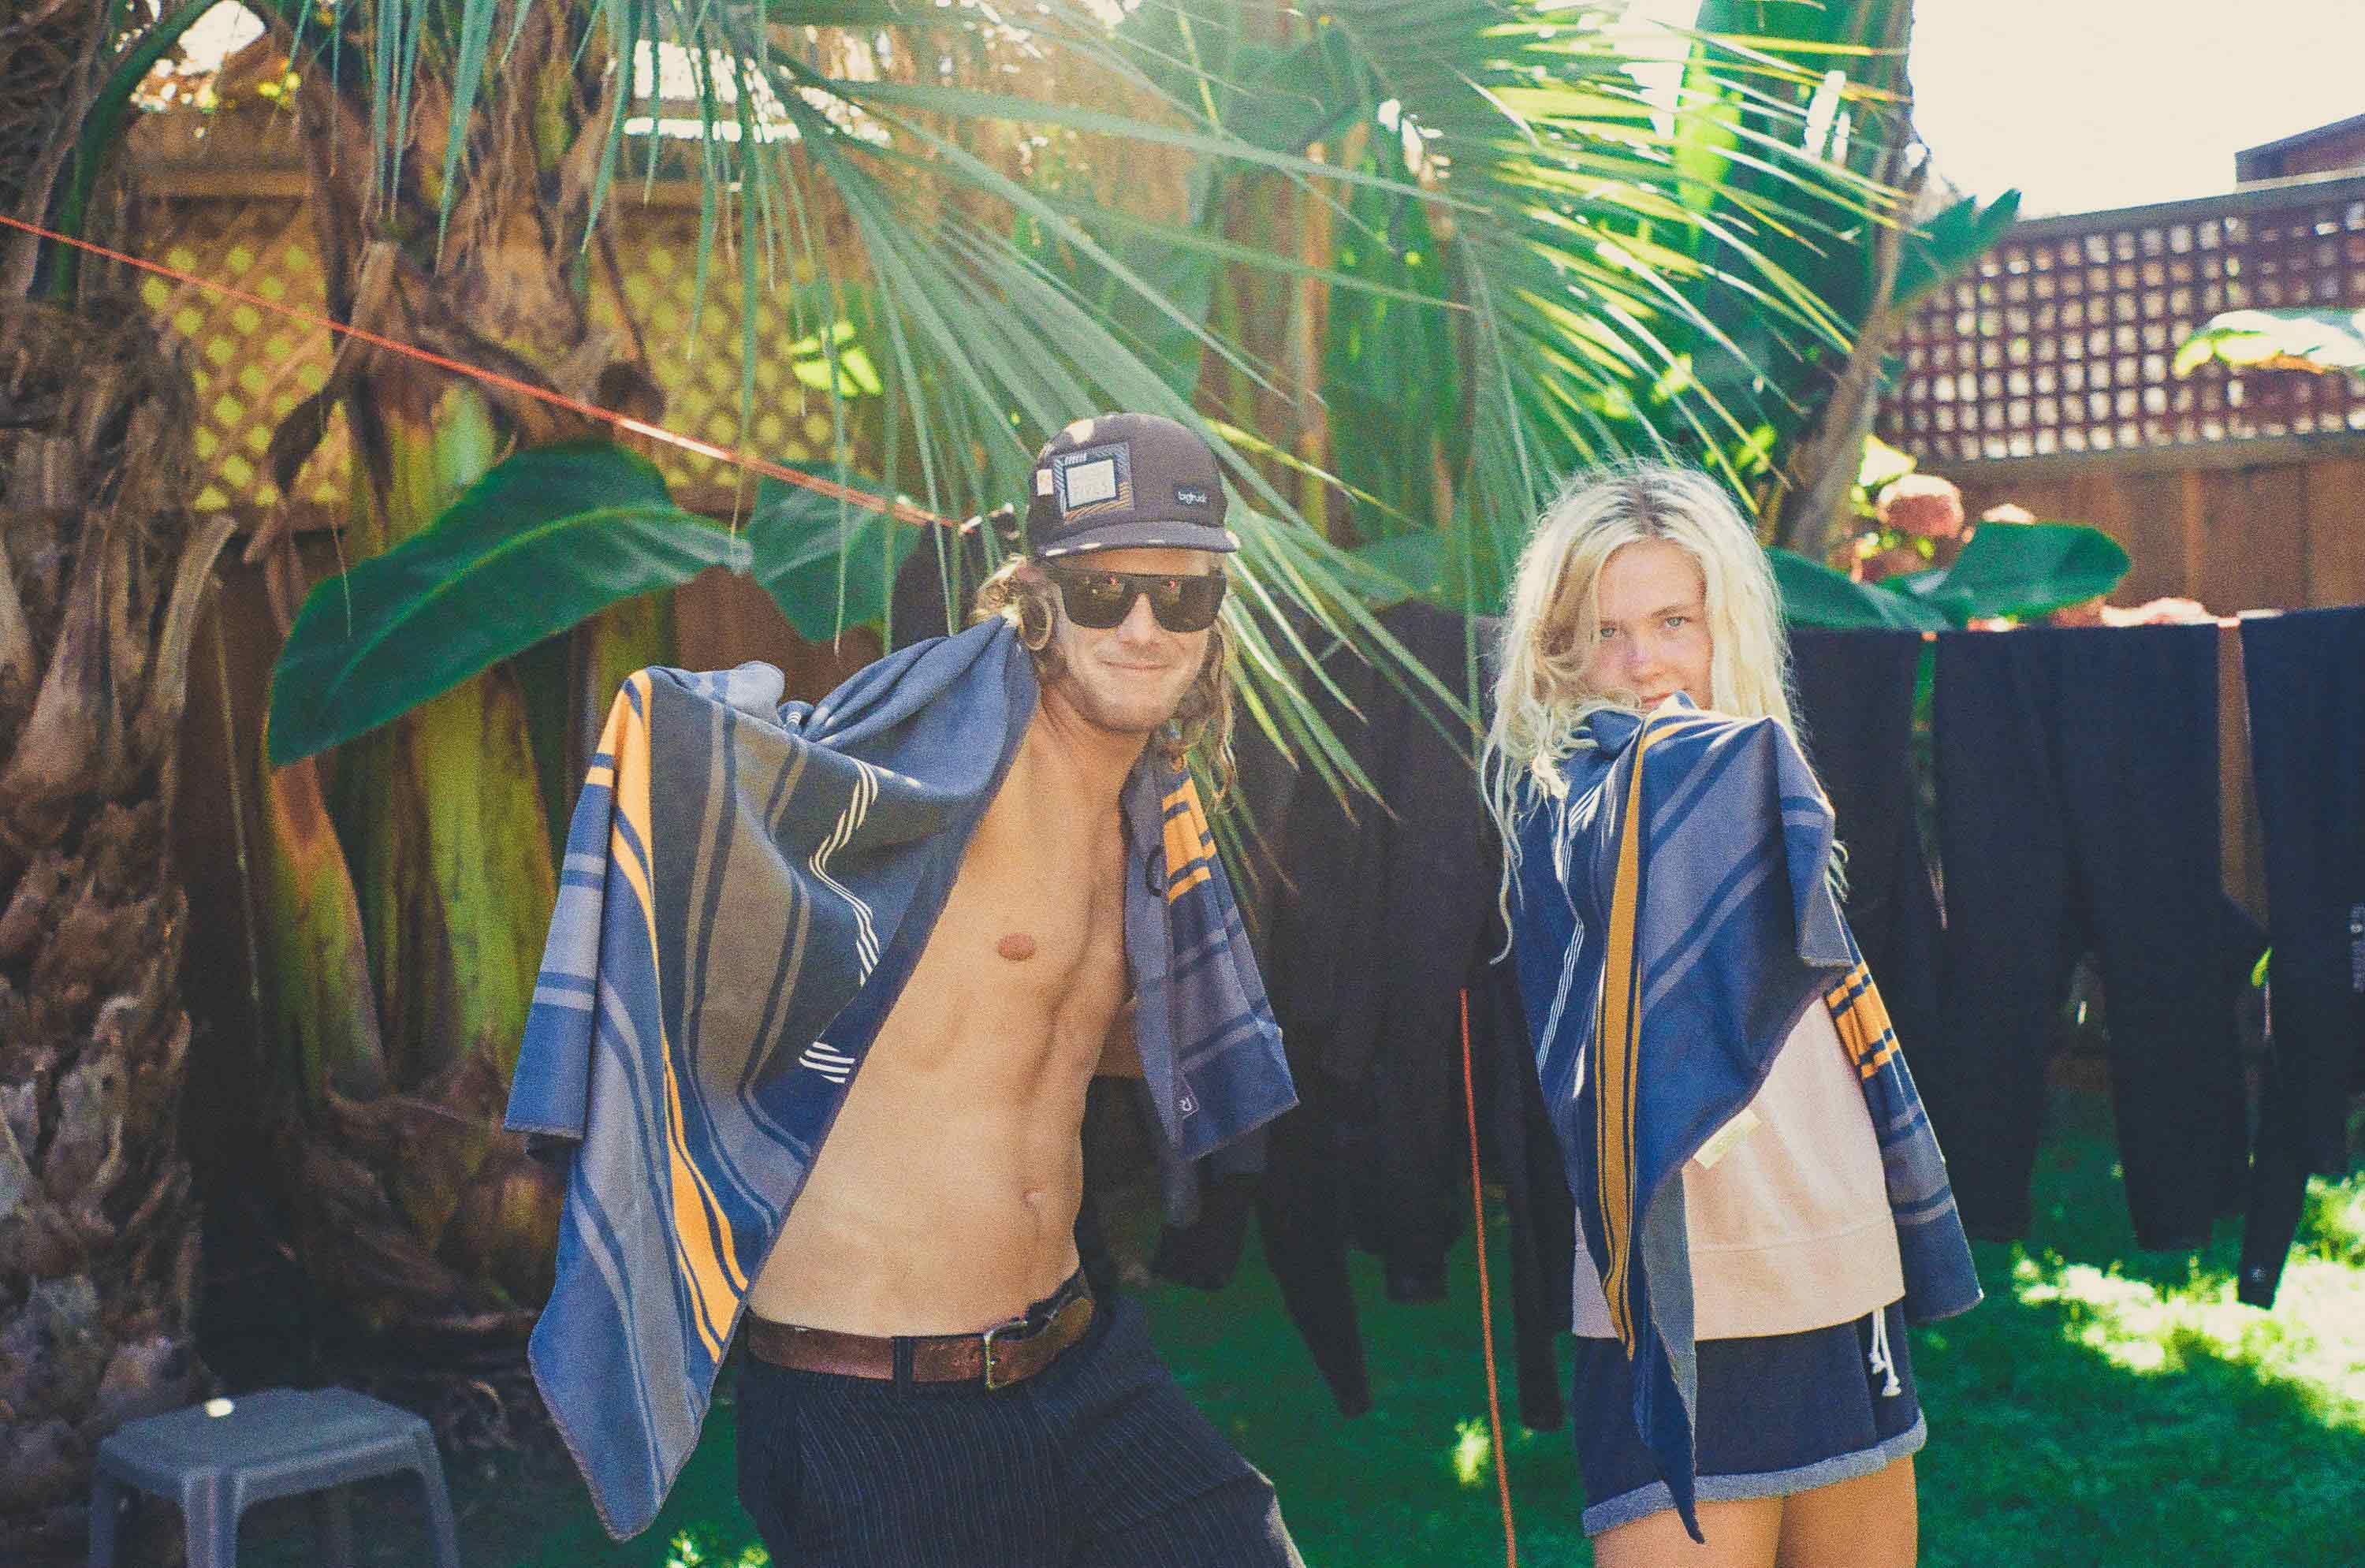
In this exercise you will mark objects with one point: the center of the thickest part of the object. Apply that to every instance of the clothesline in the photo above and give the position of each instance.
(902, 511)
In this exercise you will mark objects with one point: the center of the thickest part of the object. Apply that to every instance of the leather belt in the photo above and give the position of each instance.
(1006, 1353)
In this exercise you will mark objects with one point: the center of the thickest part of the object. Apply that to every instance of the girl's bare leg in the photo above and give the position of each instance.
(1869, 1522)
(1744, 1534)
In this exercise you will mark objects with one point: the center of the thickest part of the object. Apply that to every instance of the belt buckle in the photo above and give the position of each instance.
(993, 1379)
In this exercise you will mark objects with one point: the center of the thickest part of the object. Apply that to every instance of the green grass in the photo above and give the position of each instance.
(2103, 1406)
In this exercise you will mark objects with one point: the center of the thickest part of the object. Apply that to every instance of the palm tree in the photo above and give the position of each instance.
(1404, 261)
(103, 568)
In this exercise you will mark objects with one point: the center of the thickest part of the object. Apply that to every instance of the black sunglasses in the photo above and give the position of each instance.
(1099, 601)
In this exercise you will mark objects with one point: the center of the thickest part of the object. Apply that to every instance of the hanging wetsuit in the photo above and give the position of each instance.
(2078, 806)
(1855, 706)
(2305, 675)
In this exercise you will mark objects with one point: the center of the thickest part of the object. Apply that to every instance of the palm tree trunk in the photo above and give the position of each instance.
(103, 573)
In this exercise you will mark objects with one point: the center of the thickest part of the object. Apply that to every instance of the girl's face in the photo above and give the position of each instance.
(1653, 640)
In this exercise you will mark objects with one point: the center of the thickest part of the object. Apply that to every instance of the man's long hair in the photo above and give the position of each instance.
(1201, 729)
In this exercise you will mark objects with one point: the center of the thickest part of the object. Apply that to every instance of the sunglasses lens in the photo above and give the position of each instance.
(1095, 600)
(1186, 604)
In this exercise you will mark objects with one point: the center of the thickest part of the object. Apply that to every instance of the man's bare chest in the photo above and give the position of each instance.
(1048, 922)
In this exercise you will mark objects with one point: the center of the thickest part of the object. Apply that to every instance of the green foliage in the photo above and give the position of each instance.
(1943, 245)
(1522, 271)
(2020, 570)
(1770, 79)
(548, 537)
(827, 564)
(2329, 342)
(2006, 569)
(1815, 595)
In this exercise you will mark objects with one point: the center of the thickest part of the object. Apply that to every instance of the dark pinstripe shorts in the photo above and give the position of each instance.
(1099, 1461)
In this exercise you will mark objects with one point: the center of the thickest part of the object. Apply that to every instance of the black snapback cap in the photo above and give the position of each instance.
(1125, 481)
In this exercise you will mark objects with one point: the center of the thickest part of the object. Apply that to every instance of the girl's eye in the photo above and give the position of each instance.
(1607, 633)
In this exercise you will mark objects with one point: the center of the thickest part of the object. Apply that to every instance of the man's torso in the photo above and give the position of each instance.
(944, 1199)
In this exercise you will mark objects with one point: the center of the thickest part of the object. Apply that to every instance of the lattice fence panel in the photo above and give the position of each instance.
(695, 348)
(253, 366)
(2063, 338)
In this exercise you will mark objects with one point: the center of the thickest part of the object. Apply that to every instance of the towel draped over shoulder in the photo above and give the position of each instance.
(1673, 920)
(748, 885)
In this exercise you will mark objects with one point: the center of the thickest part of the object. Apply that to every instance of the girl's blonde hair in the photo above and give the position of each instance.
(1541, 698)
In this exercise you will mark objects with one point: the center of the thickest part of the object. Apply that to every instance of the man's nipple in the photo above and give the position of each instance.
(1017, 947)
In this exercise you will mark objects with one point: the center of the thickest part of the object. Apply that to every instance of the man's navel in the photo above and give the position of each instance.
(1017, 947)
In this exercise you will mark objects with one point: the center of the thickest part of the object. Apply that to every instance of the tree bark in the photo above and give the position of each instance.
(103, 569)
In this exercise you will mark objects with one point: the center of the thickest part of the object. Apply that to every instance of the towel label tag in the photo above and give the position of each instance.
(1720, 1143)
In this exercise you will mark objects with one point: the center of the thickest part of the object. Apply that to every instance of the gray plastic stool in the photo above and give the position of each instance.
(281, 1442)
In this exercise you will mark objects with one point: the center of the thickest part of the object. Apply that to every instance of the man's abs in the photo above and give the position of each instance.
(929, 1212)
(944, 1198)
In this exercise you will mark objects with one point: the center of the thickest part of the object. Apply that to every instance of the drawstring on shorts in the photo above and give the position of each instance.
(1879, 1359)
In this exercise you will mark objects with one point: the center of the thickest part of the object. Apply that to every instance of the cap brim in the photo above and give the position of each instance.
(1146, 535)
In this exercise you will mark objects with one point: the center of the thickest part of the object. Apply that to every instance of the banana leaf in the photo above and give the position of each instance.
(546, 538)
(1815, 595)
(827, 564)
(2019, 569)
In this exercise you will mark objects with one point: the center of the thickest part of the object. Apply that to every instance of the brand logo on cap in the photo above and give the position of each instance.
(1190, 496)
(1095, 480)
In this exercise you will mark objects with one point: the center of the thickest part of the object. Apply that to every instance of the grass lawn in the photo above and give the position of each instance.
(2103, 1407)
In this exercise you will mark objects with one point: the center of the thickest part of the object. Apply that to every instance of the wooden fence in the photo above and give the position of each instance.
(2045, 377)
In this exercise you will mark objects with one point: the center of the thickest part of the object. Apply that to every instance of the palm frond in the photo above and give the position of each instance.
(1036, 206)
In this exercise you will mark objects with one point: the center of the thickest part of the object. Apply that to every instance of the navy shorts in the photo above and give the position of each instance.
(1099, 1461)
(1781, 1414)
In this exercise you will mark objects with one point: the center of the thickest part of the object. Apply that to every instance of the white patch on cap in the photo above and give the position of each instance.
(1042, 481)
(1080, 430)
(1093, 481)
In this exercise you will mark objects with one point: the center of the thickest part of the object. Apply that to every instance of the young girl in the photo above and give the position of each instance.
(1761, 1205)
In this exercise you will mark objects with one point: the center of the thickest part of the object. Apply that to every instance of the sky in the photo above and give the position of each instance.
(2091, 104)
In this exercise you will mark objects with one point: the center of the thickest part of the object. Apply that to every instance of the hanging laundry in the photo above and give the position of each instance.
(2306, 676)
(2078, 809)
(1855, 705)
(1368, 916)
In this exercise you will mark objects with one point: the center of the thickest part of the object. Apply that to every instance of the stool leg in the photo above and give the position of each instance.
(430, 1466)
(332, 1526)
(105, 1519)
(213, 1528)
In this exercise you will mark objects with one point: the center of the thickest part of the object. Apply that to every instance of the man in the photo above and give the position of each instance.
(971, 878)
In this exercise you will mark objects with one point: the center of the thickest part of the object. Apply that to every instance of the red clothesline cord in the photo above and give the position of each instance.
(1487, 1300)
(902, 511)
